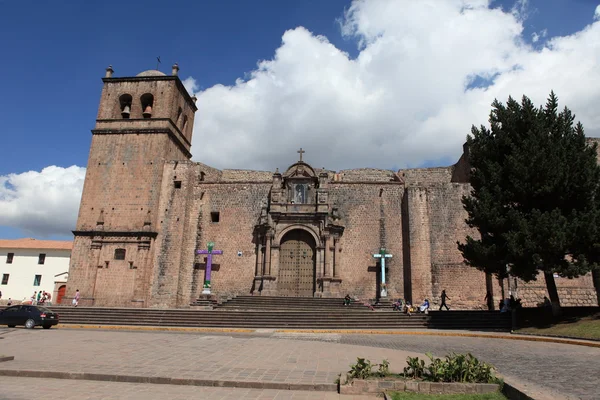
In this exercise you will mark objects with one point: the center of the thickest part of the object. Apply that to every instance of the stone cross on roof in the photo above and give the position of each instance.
(301, 152)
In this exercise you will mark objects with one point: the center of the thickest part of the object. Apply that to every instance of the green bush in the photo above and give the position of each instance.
(363, 369)
(454, 368)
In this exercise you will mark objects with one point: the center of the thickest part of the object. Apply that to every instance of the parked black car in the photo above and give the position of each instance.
(30, 316)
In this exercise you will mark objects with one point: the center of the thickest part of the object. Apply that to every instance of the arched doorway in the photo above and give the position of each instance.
(297, 264)
(60, 293)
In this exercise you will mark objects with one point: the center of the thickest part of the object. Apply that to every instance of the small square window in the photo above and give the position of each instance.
(215, 216)
(5, 279)
(120, 254)
(177, 184)
(9, 258)
(37, 280)
(42, 259)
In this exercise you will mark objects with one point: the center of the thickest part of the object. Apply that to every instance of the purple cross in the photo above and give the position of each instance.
(209, 254)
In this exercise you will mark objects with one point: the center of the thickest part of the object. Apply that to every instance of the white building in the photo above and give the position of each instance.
(30, 265)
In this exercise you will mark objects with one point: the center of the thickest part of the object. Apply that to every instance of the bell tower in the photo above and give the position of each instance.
(143, 121)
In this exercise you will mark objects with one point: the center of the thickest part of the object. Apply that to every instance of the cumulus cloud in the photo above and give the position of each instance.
(426, 71)
(42, 203)
(536, 36)
(597, 13)
(190, 85)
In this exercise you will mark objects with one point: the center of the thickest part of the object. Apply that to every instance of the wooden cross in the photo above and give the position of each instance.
(383, 255)
(209, 253)
(301, 152)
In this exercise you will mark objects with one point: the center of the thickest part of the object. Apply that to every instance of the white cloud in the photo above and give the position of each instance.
(190, 85)
(42, 203)
(597, 13)
(404, 99)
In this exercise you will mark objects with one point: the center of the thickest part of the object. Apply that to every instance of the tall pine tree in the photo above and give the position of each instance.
(535, 196)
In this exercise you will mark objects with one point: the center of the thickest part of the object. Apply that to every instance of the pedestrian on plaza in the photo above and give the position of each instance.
(76, 298)
(489, 299)
(9, 302)
(39, 296)
(444, 297)
(33, 298)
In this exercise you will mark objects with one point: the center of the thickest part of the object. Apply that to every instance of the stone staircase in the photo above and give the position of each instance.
(257, 312)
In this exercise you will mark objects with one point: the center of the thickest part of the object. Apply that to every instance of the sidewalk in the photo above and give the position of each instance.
(219, 358)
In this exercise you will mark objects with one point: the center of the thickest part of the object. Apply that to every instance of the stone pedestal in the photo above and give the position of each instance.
(205, 302)
(331, 286)
(269, 285)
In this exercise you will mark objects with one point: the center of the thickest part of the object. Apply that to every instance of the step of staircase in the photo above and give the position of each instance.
(257, 312)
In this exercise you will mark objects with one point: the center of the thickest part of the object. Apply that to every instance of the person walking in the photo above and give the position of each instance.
(76, 298)
(489, 299)
(444, 297)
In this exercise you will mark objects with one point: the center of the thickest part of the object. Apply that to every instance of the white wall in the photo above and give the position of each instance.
(25, 266)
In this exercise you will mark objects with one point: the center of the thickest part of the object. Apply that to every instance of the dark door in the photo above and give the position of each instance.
(297, 265)
(60, 294)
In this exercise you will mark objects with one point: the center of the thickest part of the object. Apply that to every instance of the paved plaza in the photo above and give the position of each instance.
(562, 370)
(41, 388)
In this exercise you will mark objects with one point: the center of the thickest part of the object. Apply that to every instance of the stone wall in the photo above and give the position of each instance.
(372, 215)
(572, 292)
(426, 176)
(436, 223)
(366, 175)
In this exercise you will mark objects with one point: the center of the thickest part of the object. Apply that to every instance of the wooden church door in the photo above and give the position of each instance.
(297, 265)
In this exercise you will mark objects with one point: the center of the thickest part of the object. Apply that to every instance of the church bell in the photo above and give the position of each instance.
(126, 111)
(148, 111)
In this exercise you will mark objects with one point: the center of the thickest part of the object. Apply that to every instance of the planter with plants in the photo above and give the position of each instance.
(454, 374)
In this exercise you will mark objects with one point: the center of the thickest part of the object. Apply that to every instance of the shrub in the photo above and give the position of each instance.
(454, 368)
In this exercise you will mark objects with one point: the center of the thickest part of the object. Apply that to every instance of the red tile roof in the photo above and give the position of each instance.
(29, 243)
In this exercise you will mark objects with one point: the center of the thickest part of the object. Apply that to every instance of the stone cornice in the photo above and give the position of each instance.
(173, 126)
(150, 234)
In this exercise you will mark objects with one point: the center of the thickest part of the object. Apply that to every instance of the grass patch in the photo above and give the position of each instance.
(584, 328)
(419, 396)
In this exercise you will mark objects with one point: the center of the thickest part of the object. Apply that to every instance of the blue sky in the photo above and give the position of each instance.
(54, 54)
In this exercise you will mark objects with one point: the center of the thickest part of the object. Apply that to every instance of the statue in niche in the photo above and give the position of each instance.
(300, 193)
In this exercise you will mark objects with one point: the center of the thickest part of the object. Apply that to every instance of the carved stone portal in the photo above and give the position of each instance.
(298, 237)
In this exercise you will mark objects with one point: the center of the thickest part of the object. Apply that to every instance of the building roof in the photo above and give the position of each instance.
(151, 72)
(29, 243)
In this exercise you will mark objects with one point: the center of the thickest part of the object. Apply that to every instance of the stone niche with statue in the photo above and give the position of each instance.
(299, 236)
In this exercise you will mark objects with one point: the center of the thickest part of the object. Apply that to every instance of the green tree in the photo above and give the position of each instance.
(535, 194)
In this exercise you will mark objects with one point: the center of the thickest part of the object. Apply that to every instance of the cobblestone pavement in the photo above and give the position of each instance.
(40, 388)
(269, 356)
(568, 369)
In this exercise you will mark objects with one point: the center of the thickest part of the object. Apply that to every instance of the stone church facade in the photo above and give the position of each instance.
(146, 209)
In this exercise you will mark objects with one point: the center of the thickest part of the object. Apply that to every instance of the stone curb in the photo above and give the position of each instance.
(361, 386)
(523, 337)
(529, 338)
(513, 393)
(556, 336)
(510, 391)
(153, 328)
(323, 387)
(6, 358)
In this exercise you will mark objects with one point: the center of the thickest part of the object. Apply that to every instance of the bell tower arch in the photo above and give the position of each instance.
(139, 127)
